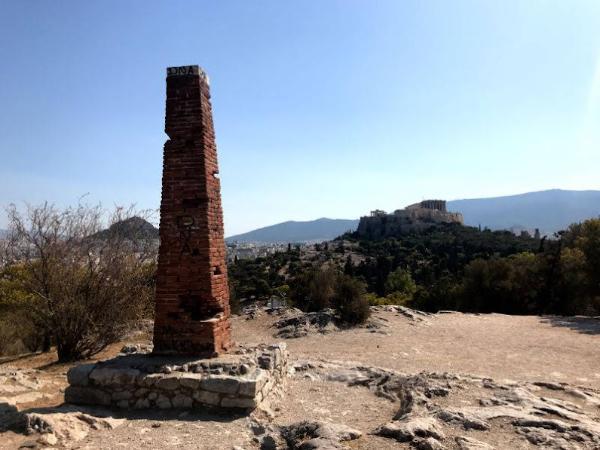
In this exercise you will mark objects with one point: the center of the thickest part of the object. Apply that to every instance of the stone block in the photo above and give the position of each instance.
(141, 392)
(121, 395)
(190, 381)
(265, 361)
(238, 402)
(142, 403)
(79, 375)
(182, 401)
(220, 383)
(168, 383)
(106, 376)
(163, 402)
(251, 386)
(207, 398)
(86, 396)
(148, 380)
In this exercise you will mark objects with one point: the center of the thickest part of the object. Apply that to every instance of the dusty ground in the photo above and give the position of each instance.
(515, 351)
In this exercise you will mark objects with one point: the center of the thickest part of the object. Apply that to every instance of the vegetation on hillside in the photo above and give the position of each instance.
(66, 283)
(446, 267)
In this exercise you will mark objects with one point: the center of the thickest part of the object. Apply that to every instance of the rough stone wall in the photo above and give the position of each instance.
(240, 381)
(192, 297)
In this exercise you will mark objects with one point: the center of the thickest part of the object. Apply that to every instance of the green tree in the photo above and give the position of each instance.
(350, 301)
(313, 290)
(400, 282)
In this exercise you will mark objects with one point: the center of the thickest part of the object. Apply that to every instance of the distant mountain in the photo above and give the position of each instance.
(134, 227)
(550, 211)
(313, 230)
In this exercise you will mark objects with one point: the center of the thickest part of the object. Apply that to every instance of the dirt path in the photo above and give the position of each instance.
(522, 349)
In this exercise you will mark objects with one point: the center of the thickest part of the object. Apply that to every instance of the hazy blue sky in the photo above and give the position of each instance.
(321, 108)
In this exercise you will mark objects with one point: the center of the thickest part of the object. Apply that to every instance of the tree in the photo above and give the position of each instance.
(313, 290)
(400, 281)
(350, 301)
(87, 286)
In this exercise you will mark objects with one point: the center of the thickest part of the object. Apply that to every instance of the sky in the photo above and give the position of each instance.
(327, 108)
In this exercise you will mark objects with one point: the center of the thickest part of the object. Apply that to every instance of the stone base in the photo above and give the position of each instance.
(240, 380)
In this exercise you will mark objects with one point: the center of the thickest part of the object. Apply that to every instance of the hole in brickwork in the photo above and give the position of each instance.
(192, 202)
(185, 221)
(217, 270)
(195, 252)
(173, 315)
(198, 309)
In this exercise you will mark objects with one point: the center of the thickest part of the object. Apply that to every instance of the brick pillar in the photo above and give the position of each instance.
(192, 297)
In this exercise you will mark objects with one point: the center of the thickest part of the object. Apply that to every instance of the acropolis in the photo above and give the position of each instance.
(418, 216)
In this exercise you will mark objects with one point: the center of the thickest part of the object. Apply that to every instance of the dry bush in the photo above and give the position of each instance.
(87, 285)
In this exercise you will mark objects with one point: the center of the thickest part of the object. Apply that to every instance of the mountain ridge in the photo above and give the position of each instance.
(548, 210)
(321, 229)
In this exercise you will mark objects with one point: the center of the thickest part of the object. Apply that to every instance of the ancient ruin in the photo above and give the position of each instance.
(418, 216)
(192, 298)
(136, 381)
(187, 366)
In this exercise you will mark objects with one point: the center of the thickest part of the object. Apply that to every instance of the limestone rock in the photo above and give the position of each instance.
(412, 428)
(190, 382)
(207, 398)
(220, 383)
(142, 403)
(167, 383)
(317, 435)
(163, 402)
(86, 396)
(79, 375)
(48, 439)
(68, 424)
(301, 324)
(105, 376)
(467, 443)
(468, 421)
(428, 444)
(238, 402)
(182, 401)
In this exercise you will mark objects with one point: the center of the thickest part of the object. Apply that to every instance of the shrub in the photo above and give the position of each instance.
(400, 283)
(314, 290)
(350, 301)
(86, 287)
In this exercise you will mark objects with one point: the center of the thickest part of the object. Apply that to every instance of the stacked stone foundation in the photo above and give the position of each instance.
(239, 381)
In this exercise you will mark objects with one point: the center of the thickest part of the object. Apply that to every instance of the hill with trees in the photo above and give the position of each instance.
(447, 267)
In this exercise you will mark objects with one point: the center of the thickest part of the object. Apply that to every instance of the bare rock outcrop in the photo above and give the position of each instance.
(305, 435)
(555, 416)
(64, 424)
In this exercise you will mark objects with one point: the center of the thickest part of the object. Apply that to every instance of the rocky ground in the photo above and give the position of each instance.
(405, 380)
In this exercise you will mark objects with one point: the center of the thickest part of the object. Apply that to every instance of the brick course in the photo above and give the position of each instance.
(192, 296)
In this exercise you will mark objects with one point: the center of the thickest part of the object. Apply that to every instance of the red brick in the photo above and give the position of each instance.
(192, 302)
